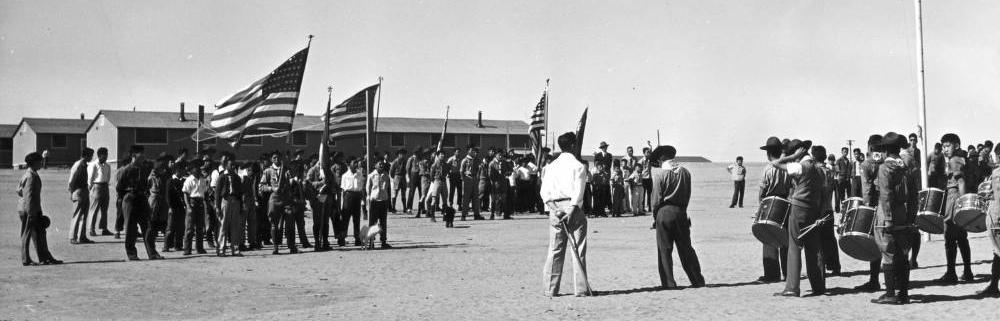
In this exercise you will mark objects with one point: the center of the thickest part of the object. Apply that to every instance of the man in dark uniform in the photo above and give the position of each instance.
(893, 221)
(845, 170)
(602, 195)
(159, 184)
(671, 194)
(828, 238)
(774, 183)
(29, 209)
(806, 197)
(469, 170)
(955, 238)
(323, 203)
(911, 158)
(397, 174)
(498, 186)
(869, 194)
(455, 178)
(413, 180)
(133, 185)
(274, 182)
(485, 186)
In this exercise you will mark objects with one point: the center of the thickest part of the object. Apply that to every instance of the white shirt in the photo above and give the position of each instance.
(98, 173)
(215, 176)
(195, 187)
(523, 173)
(795, 169)
(565, 177)
(351, 181)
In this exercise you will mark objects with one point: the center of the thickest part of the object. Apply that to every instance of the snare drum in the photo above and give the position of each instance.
(858, 237)
(970, 213)
(930, 211)
(853, 202)
(769, 225)
(986, 190)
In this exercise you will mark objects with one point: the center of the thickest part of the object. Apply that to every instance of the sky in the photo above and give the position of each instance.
(715, 77)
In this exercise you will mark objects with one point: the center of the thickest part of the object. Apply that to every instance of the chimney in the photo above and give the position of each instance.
(479, 124)
(181, 117)
(201, 114)
(81, 116)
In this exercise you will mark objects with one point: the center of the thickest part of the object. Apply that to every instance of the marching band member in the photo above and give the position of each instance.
(895, 235)
(994, 215)
(773, 182)
(808, 184)
(955, 238)
(869, 194)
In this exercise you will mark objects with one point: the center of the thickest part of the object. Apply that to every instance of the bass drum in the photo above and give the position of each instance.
(930, 211)
(769, 226)
(970, 213)
(857, 238)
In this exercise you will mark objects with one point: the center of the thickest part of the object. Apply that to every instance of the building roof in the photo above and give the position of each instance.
(56, 125)
(8, 131)
(168, 120)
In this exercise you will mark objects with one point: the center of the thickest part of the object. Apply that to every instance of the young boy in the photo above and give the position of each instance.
(195, 188)
(955, 238)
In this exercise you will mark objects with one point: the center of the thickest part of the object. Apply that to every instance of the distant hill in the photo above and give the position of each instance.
(681, 159)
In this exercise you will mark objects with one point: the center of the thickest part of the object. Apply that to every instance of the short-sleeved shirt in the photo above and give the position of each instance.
(775, 182)
(954, 171)
(195, 187)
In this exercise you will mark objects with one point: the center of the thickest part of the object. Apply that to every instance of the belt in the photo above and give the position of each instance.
(560, 199)
(352, 192)
(197, 198)
(100, 183)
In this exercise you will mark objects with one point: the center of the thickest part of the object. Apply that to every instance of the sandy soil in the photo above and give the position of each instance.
(490, 270)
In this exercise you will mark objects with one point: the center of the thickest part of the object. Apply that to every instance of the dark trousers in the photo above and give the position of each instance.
(470, 197)
(263, 223)
(956, 239)
(174, 235)
(299, 218)
(32, 231)
(351, 212)
(99, 198)
(995, 271)
(828, 242)
(647, 185)
(842, 191)
(378, 216)
(119, 215)
(673, 228)
(398, 191)
(211, 219)
(856, 186)
(136, 210)
(485, 190)
(412, 191)
(775, 262)
(158, 212)
(194, 226)
(454, 188)
(81, 205)
(799, 218)
(895, 247)
(738, 188)
(321, 207)
(499, 197)
(277, 215)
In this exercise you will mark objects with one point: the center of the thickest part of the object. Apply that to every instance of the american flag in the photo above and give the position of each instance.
(537, 126)
(349, 118)
(266, 107)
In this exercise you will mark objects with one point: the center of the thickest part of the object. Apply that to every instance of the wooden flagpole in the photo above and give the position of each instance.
(444, 130)
(378, 104)
(546, 142)
(921, 95)
(368, 134)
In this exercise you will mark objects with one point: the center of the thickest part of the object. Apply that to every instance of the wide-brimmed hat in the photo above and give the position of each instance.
(795, 144)
(604, 144)
(893, 139)
(772, 142)
(663, 150)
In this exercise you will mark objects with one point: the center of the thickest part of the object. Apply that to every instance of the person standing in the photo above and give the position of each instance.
(470, 184)
(249, 179)
(275, 183)
(498, 186)
(774, 182)
(955, 238)
(135, 206)
(485, 182)
(562, 193)
(437, 192)
(869, 195)
(377, 189)
(98, 176)
(413, 180)
(647, 181)
(911, 157)
(194, 189)
(29, 210)
(80, 196)
(806, 197)
(828, 239)
(397, 173)
(230, 196)
(323, 204)
(845, 170)
(638, 191)
(738, 174)
(353, 184)
(424, 168)
(158, 183)
(173, 237)
(895, 220)
(992, 289)
(856, 179)
(455, 177)
(671, 197)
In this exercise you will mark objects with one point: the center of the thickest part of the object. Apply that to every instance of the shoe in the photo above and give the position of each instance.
(118, 235)
(386, 245)
(358, 243)
(243, 248)
(836, 273)
(92, 233)
(238, 254)
(211, 244)
(902, 299)
(52, 262)
(85, 241)
(885, 299)
(989, 291)
(913, 264)
(29, 263)
(732, 206)
(133, 258)
(787, 294)
(947, 278)
(293, 251)
(869, 287)
(479, 218)
(765, 279)
(275, 252)
(107, 233)
(741, 206)
(341, 242)
(155, 257)
(187, 253)
(202, 252)
(306, 245)
(814, 294)
(74, 242)
(968, 276)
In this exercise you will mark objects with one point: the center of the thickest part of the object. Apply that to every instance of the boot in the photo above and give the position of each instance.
(903, 283)
(890, 287)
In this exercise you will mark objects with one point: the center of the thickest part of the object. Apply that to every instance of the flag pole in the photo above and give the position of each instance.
(288, 138)
(368, 134)
(378, 103)
(444, 130)
(546, 143)
(324, 145)
(921, 95)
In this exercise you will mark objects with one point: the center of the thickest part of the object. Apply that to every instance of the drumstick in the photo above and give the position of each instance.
(812, 226)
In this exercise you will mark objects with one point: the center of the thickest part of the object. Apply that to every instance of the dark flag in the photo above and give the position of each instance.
(580, 128)
(350, 118)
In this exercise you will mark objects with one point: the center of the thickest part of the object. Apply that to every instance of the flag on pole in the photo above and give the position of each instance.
(537, 126)
(351, 118)
(580, 128)
(444, 129)
(265, 107)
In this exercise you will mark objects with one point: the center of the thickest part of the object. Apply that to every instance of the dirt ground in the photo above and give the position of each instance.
(483, 270)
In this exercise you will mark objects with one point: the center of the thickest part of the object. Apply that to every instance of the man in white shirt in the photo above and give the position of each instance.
(562, 192)
(195, 187)
(353, 185)
(99, 174)
(80, 196)
(377, 188)
(739, 175)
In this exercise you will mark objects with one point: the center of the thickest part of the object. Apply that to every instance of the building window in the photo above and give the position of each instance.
(449, 140)
(252, 141)
(151, 136)
(300, 138)
(6, 144)
(397, 140)
(475, 140)
(59, 141)
(519, 141)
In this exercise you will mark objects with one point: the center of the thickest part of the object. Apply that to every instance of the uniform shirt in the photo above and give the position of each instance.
(775, 182)
(869, 173)
(954, 171)
(424, 168)
(195, 187)
(844, 168)
(737, 172)
(807, 183)
(671, 185)
(453, 164)
(564, 178)
(892, 192)
(130, 180)
(98, 173)
(157, 184)
(321, 181)
(484, 170)
(78, 176)
(30, 191)
(352, 181)
(438, 170)
(468, 167)
(397, 167)
(645, 169)
(269, 181)
(378, 186)
(411, 165)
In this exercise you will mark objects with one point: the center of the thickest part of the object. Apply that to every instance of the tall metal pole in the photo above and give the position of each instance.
(921, 96)
(378, 103)
(547, 115)
(368, 134)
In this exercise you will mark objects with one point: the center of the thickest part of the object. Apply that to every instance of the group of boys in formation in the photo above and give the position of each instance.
(246, 207)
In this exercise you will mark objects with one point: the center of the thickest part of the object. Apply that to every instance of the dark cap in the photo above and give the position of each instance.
(772, 143)
(666, 150)
(891, 139)
(795, 144)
